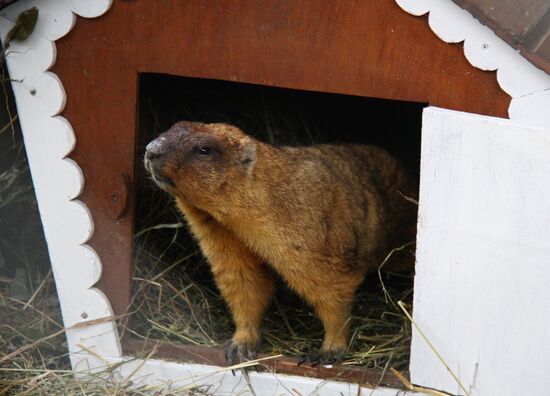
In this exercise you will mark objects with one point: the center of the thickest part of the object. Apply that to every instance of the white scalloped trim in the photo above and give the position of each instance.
(58, 180)
(528, 86)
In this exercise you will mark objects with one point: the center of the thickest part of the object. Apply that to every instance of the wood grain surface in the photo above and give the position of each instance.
(365, 48)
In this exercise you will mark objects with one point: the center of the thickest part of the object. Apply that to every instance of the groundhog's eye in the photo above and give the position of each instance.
(205, 150)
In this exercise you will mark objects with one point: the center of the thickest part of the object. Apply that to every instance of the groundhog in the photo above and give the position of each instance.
(321, 216)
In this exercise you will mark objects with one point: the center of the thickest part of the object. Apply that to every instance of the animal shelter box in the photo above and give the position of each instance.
(97, 78)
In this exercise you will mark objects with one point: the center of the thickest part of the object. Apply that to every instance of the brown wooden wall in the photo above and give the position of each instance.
(367, 48)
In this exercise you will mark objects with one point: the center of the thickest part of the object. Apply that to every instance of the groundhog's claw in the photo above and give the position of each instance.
(236, 353)
(323, 358)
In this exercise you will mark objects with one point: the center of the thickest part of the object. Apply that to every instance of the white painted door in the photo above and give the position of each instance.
(482, 287)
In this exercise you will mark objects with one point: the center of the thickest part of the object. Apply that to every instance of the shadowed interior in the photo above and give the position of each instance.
(174, 296)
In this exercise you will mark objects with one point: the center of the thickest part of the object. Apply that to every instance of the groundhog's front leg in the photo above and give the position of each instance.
(247, 287)
(242, 278)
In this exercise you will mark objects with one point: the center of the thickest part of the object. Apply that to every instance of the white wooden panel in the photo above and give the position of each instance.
(88, 9)
(531, 109)
(450, 29)
(220, 381)
(415, 7)
(57, 180)
(482, 281)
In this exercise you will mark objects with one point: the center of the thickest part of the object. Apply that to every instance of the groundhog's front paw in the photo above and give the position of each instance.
(323, 358)
(236, 352)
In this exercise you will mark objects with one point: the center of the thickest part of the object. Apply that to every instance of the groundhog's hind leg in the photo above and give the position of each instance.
(331, 293)
(335, 314)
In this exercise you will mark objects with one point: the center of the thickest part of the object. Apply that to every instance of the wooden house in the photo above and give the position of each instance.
(481, 295)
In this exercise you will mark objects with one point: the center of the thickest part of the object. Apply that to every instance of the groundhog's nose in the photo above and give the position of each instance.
(155, 148)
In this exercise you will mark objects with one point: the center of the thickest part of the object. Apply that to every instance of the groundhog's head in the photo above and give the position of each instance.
(199, 163)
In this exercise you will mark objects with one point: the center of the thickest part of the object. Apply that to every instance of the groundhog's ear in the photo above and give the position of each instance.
(248, 153)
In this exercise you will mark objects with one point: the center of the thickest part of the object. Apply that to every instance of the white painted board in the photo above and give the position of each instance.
(482, 286)
(158, 374)
(58, 180)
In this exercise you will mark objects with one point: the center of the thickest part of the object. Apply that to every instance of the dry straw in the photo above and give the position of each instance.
(174, 300)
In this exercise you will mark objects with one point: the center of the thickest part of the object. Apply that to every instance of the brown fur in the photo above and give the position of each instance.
(321, 216)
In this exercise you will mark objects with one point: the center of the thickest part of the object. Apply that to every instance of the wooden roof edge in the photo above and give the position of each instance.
(524, 26)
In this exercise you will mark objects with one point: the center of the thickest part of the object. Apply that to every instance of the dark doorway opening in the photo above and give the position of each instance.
(174, 296)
